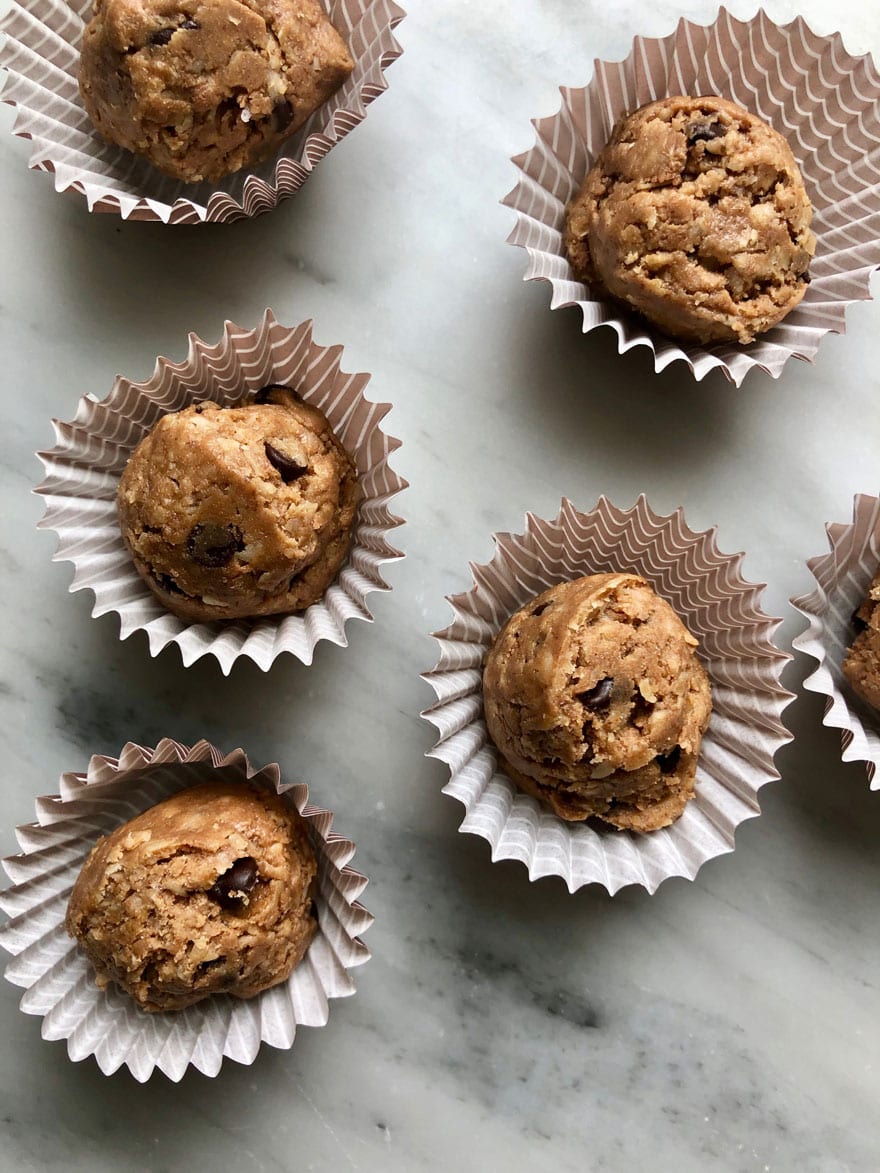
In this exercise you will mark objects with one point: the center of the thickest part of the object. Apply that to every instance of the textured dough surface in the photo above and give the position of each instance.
(148, 913)
(219, 531)
(696, 215)
(862, 663)
(596, 702)
(202, 88)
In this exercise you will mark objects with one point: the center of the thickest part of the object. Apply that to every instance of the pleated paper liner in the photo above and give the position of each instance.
(843, 576)
(719, 607)
(60, 984)
(823, 100)
(83, 470)
(41, 58)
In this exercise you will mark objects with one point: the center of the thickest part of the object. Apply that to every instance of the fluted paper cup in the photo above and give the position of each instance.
(41, 59)
(822, 99)
(59, 982)
(707, 590)
(843, 576)
(83, 470)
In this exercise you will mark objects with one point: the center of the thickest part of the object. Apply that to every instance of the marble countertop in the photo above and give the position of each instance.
(731, 1023)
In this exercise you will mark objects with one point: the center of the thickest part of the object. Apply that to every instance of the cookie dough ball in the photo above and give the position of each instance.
(696, 215)
(208, 892)
(862, 664)
(597, 704)
(239, 511)
(202, 88)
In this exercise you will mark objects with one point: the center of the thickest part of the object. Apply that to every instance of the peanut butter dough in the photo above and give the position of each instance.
(695, 214)
(239, 511)
(596, 702)
(207, 892)
(202, 88)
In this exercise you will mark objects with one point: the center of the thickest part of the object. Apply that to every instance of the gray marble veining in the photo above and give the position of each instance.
(732, 1023)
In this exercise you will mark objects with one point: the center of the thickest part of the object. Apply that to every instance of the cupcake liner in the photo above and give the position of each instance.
(83, 470)
(41, 58)
(842, 579)
(823, 100)
(719, 607)
(60, 984)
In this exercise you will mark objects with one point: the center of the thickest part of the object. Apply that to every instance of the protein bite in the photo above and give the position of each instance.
(240, 511)
(695, 214)
(203, 88)
(862, 663)
(207, 892)
(597, 703)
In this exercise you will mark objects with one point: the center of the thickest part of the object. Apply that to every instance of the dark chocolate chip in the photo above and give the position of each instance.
(160, 37)
(288, 468)
(190, 24)
(213, 545)
(598, 698)
(540, 609)
(806, 278)
(264, 395)
(235, 883)
(704, 131)
(283, 113)
(669, 761)
(858, 622)
(167, 584)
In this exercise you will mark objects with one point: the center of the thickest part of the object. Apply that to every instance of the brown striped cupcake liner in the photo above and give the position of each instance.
(842, 576)
(825, 102)
(41, 59)
(718, 606)
(59, 983)
(83, 470)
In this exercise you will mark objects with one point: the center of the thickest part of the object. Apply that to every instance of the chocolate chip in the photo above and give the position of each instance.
(288, 468)
(166, 583)
(858, 622)
(160, 37)
(806, 278)
(669, 761)
(540, 609)
(597, 698)
(190, 24)
(283, 113)
(704, 131)
(264, 395)
(213, 545)
(236, 883)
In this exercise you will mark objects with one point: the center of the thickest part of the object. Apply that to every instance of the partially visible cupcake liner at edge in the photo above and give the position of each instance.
(59, 982)
(825, 102)
(41, 59)
(707, 590)
(843, 576)
(83, 470)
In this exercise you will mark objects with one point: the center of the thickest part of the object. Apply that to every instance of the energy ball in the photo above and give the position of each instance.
(207, 892)
(862, 664)
(202, 88)
(231, 512)
(695, 215)
(597, 703)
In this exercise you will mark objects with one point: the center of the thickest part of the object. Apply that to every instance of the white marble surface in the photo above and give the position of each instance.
(725, 1024)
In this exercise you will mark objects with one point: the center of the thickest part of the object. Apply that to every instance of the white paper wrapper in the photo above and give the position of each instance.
(60, 984)
(718, 606)
(842, 579)
(822, 99)
(83, 470)
(41, 58)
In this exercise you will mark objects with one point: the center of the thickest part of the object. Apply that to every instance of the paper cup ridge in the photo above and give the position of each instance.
(41, 59)
(59, 982)
(82, 473)
(842, 578)
(825, 101)
(707, 590)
